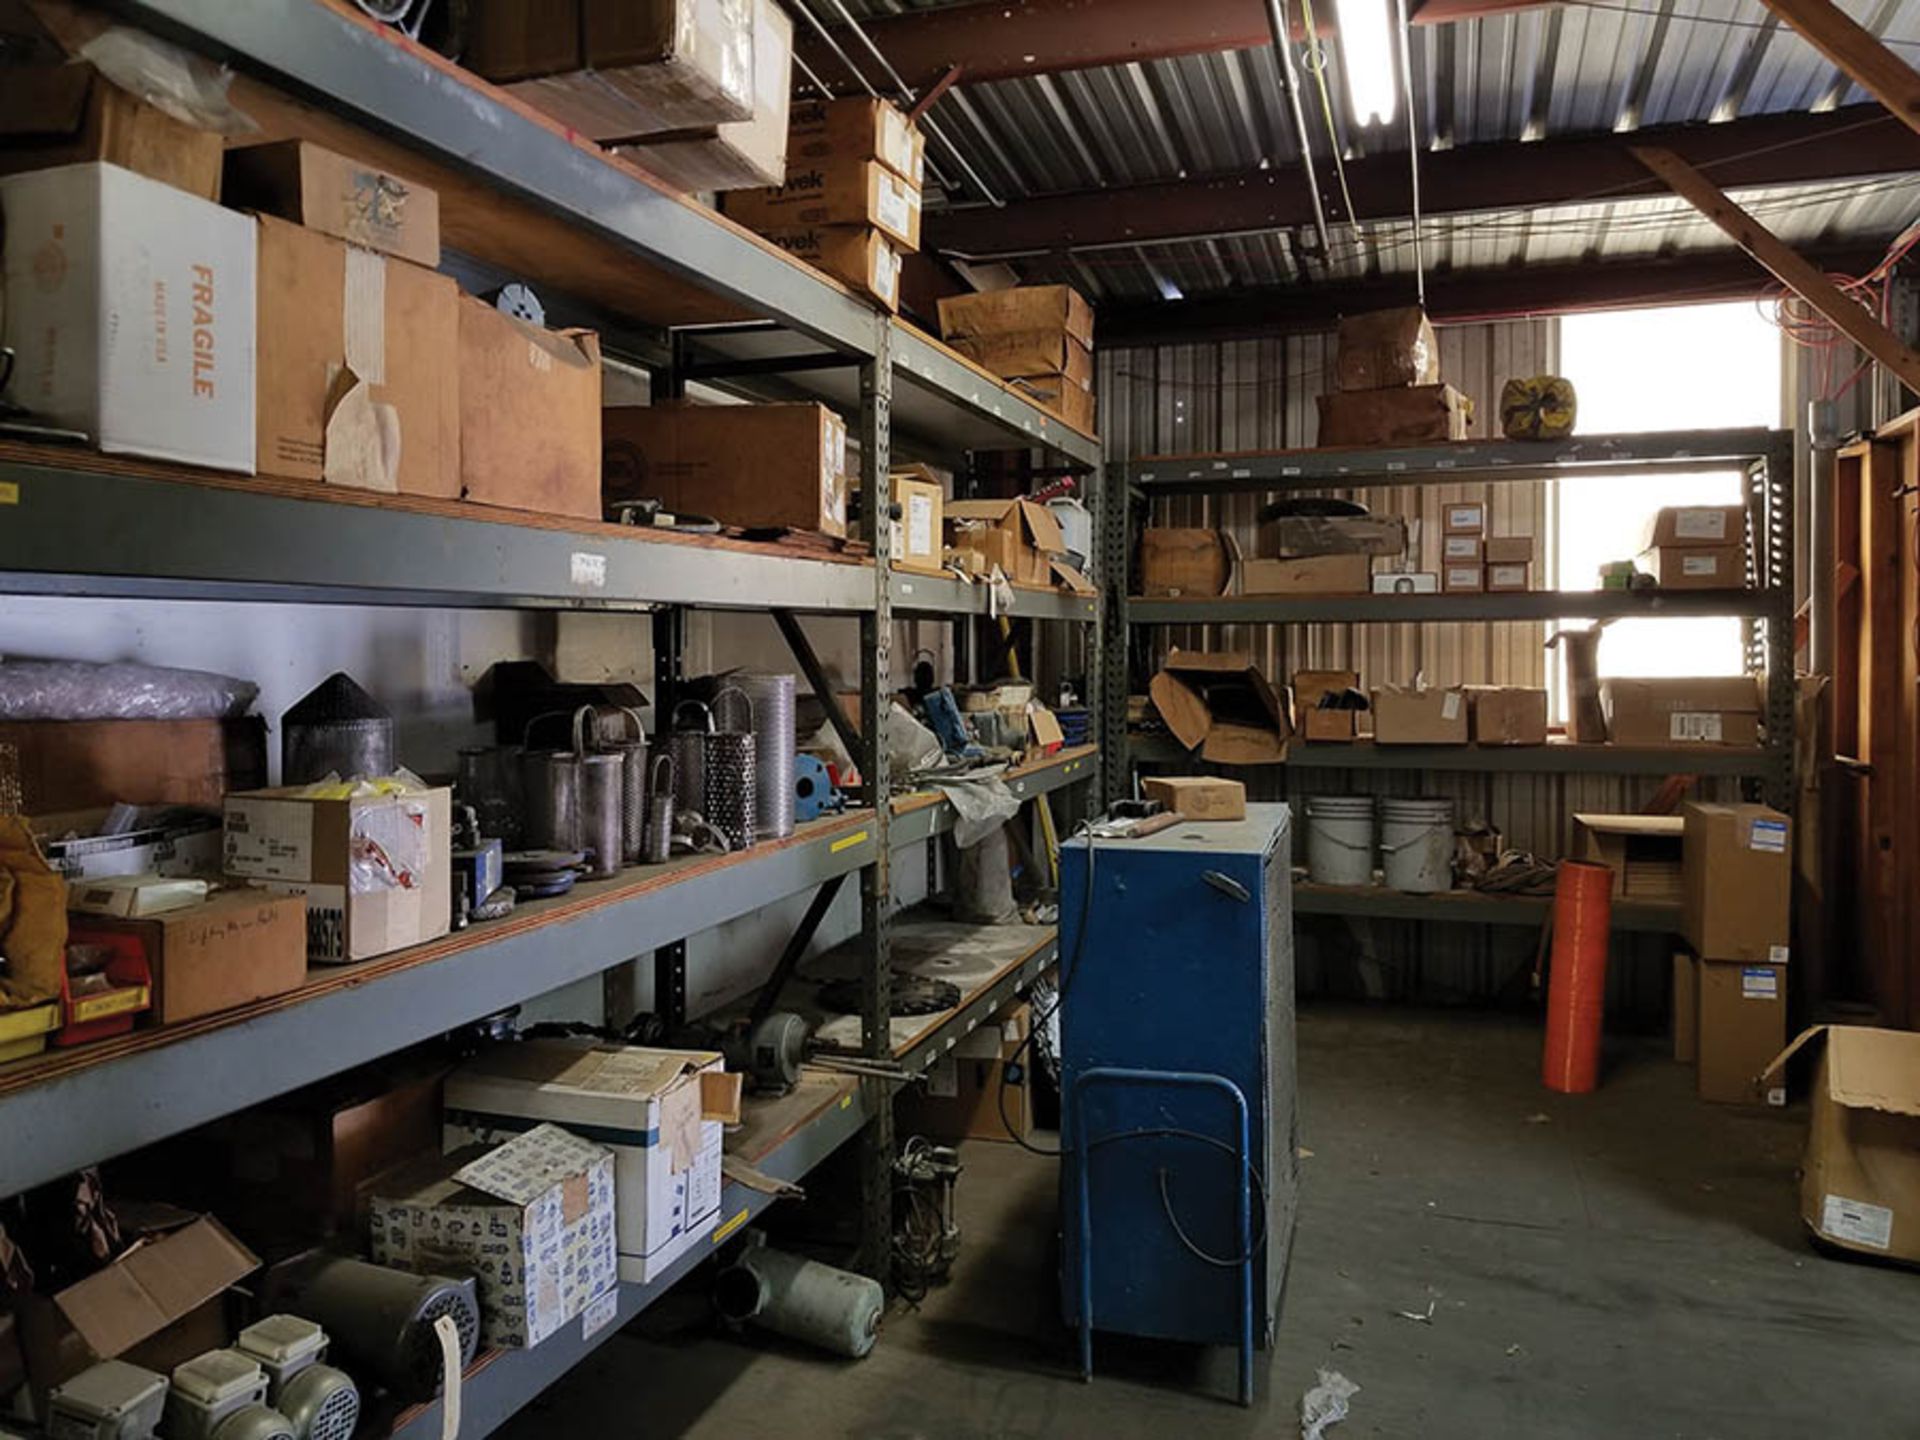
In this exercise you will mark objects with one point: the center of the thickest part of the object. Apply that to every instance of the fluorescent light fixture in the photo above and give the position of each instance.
(1366, 54)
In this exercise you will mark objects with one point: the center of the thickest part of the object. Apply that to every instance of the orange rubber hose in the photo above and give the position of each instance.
(1577, 982)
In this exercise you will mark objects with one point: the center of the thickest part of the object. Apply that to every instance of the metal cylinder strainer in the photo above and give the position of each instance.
(773, 743)
(659, 841)
(688, 748)
(730, 768)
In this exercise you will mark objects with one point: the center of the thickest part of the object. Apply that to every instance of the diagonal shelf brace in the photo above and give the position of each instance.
(1859, 54)
(810, 666)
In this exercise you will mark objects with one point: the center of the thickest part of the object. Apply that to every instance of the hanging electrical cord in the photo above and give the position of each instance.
(1810, 330)
(1413, 146)
(1317, 67)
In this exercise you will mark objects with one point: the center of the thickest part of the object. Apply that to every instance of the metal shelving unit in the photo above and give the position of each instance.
(1467, 907)
(1557, 757)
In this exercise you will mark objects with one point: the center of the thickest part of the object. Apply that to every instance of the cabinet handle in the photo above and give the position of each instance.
(1227, 886)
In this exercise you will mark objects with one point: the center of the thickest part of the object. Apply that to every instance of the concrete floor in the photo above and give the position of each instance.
(1624, 1264)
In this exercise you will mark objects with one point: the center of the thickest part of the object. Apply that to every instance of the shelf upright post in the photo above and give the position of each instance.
(876, 889)
(669, 674)
(1774, 481)
(1112, 638)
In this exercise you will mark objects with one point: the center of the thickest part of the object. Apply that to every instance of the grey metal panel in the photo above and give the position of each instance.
(1525, 605)
(1467, 907)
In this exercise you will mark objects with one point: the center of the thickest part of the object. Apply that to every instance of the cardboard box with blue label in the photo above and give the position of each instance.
(661, 1112)
(1737, 879)
(1742, 1008)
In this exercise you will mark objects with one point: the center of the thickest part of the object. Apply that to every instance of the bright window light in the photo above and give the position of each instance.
(1366, 54)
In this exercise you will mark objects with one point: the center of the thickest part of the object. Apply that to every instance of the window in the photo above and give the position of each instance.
(1688, 367)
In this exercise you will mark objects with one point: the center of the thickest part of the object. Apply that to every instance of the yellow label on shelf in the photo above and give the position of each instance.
(9, 492)
(846, 1100)
(723, 1231)
(847, 842)
(112, 1002)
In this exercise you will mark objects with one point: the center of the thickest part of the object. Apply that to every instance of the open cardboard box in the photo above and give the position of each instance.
(1220, 703)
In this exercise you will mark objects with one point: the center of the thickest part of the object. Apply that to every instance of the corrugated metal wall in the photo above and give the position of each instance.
(1260, 394)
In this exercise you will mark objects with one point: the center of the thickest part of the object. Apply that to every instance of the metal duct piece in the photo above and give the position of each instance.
(336, 728)
(492, 779)
(632, 750)
(771, 697)
(659, 841)
(602, 816)
(802, 1299)
(730, 777)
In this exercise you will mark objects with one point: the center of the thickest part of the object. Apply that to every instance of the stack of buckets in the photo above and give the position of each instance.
(1415, 842)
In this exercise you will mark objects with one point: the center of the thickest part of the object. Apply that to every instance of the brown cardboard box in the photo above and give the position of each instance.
(233, 948)
(299, 181)
(1016, 535)
(376, 870)
(756, 466)
(963, 1096)
(1462, 578)
(1013, 354)
(1318, 724)
(1219, 703)
(84, 764)
(1643, 851)
(917, 534)
(326, 308)
(1507, 714)
(1387, 348)
(13, 1364)
(1686, 1007)
(1507, 578)
(1198, 797)
(839, 132)
(859, 255)
(1696, 525)
(148, 1307)
(1175, 561)
(1288, 537)
(1394, 417)
(1066, 398)
(70, 114)
(1509, 549)
(1403, 715)
(1461, 550)
(529, 414)
(1464, 517)
(1721, 710)
(1697, 567)
(864, 194)
(1310, 575)
(1743, 1024)
(1860, 1180)
(1023, 307)
(1738, 863)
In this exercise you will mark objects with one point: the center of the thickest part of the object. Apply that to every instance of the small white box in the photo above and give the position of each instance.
(661, 1112)
(130, 310)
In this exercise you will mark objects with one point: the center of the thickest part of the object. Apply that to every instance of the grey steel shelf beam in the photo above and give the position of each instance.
(507, 1380)
(1669, 452)
(1420, 609)
(1467, 907)
(1553, 759)
(949, 595)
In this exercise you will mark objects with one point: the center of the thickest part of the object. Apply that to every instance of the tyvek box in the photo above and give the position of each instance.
(130, 307)
(662, 1112)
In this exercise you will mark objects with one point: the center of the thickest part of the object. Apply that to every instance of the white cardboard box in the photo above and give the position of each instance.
(661, 1112)
(130, 309)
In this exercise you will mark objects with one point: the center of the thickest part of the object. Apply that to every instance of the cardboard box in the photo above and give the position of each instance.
(1068, 399)
(71, 114)
(1643, 851)
(1505, 578)
(1386, 348)
(1309, 575)
(529, 414)
(1738, 864)
(1016, 535)
(1509, 549)
(377, 871)
(967, 1092)
(1021, 307)
(755, 466)
(1463, 577)
(169, 842)
(1288, 537)
(135, 897)
(1219, 703)
(1721, 710)
(1743, 1024)
(1460, 550)
(1176, 561)
(1318, 724)
(1860, 1180)
(661, 1111)
(863, 194)
(917, 535)
(858, 255)
(348, 199)
(530, 1218)
(1697, 567)
(231, 949)
(1406, 582)
(130, 309)
(839, 132)
(157, 1305)
(735, 154)
(1198, 797)
(332, 315)
(1394, 417)
(1403, 715)
(1464, 517)
(1696, 525)
(1507, 714)
(68, 765)
(1016, 353)
(1686, 1007)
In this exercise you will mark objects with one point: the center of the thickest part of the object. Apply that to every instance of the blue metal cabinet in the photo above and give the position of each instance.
(1177, 960)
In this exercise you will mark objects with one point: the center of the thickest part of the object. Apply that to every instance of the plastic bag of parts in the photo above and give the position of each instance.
(83, 690)
(331, 787)
(1325, 1404)
(911, 746)
(390, 842)
(175, 82)
(1541, 408)
(983, 804)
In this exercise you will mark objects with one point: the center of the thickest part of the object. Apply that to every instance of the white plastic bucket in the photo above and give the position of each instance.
(1340, 839)
(1416, 845)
